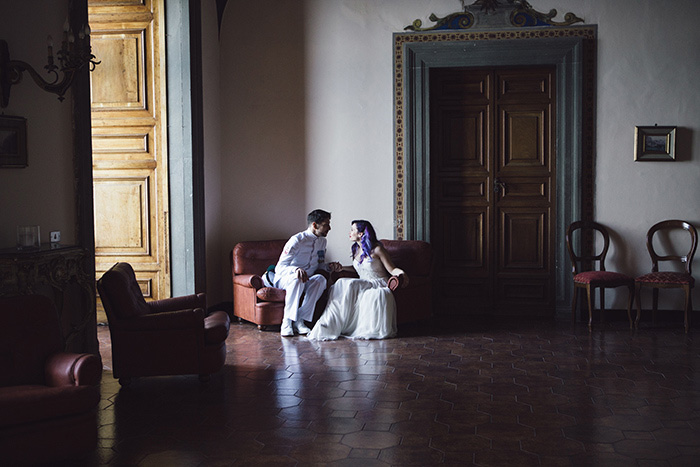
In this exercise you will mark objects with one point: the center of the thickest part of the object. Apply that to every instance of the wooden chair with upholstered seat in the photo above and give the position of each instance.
(588, 278)
(668, 279)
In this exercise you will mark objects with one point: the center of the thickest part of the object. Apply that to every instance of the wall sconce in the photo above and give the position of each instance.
(75, 53)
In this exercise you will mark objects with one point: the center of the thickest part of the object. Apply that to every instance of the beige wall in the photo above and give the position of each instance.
(299, 115)
(306, 116)
(41, 194)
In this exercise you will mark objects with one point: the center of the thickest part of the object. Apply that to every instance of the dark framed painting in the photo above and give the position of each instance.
(13, 141)
(654, 143)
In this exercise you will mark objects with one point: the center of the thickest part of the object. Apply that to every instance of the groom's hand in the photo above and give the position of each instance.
(302, 275)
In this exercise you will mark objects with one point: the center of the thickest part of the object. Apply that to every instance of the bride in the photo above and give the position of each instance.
(361, 308)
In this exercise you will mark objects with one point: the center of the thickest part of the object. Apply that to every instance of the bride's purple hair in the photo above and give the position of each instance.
(368, 240)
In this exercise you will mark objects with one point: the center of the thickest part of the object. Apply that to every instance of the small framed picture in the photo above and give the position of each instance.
(13, 141)
(654, 143)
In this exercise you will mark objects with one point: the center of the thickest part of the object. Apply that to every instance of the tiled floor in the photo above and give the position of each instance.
(483, 393)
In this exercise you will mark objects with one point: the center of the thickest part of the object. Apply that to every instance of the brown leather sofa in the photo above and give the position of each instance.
(172, 336)
(48, 397)
(264, 306)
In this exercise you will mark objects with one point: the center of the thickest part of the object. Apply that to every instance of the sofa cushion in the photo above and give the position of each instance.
(32, 403)
(413, 256)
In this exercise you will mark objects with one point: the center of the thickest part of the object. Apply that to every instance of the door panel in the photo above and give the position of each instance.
(129, 141)
(119, 81)
(492, 189)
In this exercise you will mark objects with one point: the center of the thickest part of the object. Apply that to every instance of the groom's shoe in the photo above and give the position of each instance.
(302, 328)
(286, 330)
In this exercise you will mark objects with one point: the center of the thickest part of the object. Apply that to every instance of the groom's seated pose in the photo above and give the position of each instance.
(303, 255)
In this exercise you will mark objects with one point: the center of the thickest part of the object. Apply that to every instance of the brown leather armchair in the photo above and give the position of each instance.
(48, 397)
(252, 301)
(172, 336)
(414, 300)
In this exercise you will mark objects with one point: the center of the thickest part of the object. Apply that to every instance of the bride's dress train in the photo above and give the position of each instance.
(361, 308)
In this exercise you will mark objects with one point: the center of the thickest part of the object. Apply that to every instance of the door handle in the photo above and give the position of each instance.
(498, 185)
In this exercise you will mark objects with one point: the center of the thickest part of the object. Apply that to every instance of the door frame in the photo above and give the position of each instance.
(571, 50)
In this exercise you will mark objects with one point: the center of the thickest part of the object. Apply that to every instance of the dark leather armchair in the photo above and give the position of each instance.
(48, 397)
(414, 300)
(172, 336)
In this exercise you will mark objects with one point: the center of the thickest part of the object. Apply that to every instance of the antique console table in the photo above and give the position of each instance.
(62, 273)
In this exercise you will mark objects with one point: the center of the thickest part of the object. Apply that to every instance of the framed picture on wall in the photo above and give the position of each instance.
(654, 143)
(13, 141)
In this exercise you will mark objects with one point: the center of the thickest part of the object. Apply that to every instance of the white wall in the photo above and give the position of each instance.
(43, 193)
(307, 116)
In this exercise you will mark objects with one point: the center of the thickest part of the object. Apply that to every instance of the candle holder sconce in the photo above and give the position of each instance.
(74, 54)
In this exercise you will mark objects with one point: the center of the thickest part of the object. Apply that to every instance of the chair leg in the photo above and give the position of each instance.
(637, 296)
(590, 305)
(602, 304)
(124, 382)
(654, 304)
(574, 302)
(688, 307)
(629, 304)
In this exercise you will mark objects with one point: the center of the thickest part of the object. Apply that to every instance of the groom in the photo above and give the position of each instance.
(304, 254)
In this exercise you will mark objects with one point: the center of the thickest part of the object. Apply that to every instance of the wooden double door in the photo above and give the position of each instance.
(492, 196)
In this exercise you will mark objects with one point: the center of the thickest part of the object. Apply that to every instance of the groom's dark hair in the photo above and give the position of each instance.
(318, 216)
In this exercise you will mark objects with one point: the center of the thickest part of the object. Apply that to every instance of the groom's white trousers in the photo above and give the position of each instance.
(294, 287)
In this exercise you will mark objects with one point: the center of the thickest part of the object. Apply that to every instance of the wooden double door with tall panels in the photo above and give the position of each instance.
(492, 195)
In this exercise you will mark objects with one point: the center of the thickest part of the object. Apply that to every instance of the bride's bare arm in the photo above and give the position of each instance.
(391, 268)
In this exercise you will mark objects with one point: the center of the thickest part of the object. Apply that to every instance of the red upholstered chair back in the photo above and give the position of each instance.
(120, 293)
(29, 334)
(255, 257)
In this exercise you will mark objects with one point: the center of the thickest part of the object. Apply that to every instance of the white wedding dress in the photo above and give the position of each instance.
(361, 308)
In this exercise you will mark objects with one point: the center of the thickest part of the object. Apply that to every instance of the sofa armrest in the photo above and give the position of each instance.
(395, 282)
(271, 294)
(178, 303)
(72, 369)
(181, 319)
(252, 281)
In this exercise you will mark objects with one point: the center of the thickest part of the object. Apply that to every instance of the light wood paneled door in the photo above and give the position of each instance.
(492, 179)
(130, 176)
